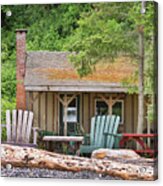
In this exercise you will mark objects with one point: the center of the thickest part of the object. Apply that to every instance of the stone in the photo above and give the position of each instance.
(114, 153)
(8, 166)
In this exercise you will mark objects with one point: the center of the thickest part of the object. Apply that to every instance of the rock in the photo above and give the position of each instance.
(114, 153)
(8, 166)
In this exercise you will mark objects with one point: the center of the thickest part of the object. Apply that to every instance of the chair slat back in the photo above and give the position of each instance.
(97, 129)
(14, 119)
(24, 126)
(99, 126)
(92, 132)
(99, 139)
(19, 126)
(8, 125)
(20, 129)
(29, 127)
(113, 128)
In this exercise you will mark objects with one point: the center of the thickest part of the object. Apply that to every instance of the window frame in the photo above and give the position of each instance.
(98, 99)
(76, 103)
(58, 107)
(119, 100)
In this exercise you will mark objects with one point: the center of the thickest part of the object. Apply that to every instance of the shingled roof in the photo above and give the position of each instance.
(52, 71)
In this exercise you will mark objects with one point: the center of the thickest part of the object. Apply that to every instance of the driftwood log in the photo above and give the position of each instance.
(30, 157)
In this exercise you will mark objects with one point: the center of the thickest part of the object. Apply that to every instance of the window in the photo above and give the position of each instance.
(101, 108)
(117, 109)
(72, 111)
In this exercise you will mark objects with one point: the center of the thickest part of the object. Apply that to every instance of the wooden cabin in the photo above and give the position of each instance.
(49, 85)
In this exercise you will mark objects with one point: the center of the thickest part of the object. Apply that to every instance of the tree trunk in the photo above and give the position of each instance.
(141, 81)
(140, 169)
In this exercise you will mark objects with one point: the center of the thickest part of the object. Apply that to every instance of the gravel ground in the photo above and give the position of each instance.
(46, 173)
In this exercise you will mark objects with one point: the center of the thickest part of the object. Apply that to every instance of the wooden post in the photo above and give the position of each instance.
(141, 79)
(110, 105)
(65, 102)
(65, 114)
(148, 132)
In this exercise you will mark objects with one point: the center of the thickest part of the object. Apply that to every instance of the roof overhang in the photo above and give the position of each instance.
(76, 88)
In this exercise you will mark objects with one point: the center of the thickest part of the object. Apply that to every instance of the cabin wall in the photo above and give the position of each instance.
(45, 106)
(131, 113)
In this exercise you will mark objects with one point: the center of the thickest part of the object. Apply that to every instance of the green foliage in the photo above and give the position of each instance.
(101, 36)
(93, 31)
(8, 88)
(112, 29)
(49, 27)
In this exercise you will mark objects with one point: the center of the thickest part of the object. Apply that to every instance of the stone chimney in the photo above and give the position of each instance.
(20, 68)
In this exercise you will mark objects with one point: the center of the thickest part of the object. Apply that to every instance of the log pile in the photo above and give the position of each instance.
(31, 157)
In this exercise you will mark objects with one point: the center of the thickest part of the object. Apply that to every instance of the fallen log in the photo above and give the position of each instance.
(114, 153)
(31, 157)
(124, 156)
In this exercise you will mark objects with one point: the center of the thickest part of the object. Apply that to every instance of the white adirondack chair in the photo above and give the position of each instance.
(19, 128)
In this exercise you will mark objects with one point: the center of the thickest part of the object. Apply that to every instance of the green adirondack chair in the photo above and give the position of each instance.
(102, 134)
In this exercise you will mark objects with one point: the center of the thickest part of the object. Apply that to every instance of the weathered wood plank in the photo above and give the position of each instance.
(56, 116)
(65, 120)
(27, 100)
(39, 111)
(128, 114)
(86, 113)
(63, 138)
(54, 124)
(8, 125)
(29, 126)
(14, 124)
(42, 111)
(24, 126)
(50, 111)
(80, 109)
(46, 110)
(140, 169)
(31, 101)
(75, 88)
(36, 109)
(19, 126)
(91, 108)
(135, 97)
(71, 98)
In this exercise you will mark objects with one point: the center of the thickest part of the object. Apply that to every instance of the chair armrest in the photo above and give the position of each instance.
(35, 134)
(111, 134)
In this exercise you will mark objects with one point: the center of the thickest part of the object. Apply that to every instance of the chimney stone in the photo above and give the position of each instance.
(20, 68)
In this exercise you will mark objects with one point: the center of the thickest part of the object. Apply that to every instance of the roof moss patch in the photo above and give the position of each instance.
(53, 68)
(116, 72)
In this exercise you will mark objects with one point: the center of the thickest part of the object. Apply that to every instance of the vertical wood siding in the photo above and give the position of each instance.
(50, 112)
(56, 116)
(46, 110)
(86, 112)
(36, 109)
(135, 114)
(131, 113)
(128, 114)
(42, 111)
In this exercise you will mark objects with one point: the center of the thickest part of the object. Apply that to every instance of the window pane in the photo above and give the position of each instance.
(101, 108)
(117, 109)
(72, 103)
(72, 112)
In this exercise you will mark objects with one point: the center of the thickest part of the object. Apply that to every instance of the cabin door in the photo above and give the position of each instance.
(72, 117)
